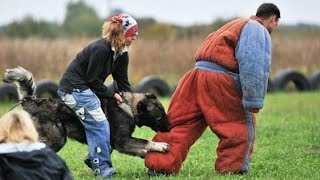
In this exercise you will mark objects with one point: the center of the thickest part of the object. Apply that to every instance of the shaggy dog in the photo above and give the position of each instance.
(55, 121)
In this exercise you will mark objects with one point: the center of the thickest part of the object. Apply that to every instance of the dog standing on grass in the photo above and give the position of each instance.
(55, 121)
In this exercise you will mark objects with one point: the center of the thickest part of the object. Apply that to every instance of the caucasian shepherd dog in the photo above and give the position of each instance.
(55, 121)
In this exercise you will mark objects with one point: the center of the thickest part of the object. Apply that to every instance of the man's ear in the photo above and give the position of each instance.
(274, 18)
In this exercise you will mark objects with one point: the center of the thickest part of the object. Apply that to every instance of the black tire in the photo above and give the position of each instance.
(314, 80)
(47, 89)
(284, 77)
(154, 85)
(8, 92)
(270, 87)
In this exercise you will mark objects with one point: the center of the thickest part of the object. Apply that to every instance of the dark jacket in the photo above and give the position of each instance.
(31, 162)
(92, 66)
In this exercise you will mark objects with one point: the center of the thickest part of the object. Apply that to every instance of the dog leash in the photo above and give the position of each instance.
(14, 106)
(18, 103)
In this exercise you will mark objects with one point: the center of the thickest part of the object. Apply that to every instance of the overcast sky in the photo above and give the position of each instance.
(181, 12)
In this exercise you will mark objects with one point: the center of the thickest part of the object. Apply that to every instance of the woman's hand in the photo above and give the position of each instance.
(118, 98)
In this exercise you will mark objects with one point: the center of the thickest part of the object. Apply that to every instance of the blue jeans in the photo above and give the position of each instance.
(87, 107)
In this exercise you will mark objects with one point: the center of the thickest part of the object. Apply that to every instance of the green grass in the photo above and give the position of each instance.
(287, 145)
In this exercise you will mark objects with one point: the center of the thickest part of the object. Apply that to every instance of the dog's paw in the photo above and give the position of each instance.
(160, 146)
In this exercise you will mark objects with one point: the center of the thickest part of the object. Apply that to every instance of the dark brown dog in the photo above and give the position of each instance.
(55, 121)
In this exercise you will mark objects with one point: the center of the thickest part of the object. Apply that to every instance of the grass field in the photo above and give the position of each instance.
(287, 145)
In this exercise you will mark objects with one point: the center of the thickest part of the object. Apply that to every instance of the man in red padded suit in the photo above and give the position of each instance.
(223, 91)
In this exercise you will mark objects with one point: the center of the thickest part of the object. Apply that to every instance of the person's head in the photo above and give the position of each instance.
(120, 31)
(269, 15)
(17, 126)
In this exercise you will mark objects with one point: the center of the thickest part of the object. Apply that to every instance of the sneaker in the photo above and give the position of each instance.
(107, 174)
(87, 161)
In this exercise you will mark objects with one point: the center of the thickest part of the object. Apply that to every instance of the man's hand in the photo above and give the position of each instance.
(118, 98)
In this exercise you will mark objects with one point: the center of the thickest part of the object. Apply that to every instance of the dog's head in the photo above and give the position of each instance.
(151, 113)
(17, 126)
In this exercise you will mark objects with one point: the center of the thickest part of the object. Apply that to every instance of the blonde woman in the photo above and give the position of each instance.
(22, 157)
(82, 88)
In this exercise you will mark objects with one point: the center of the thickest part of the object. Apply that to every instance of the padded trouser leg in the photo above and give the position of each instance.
(206, 98)
(180, 140)
(223, 111)
(186, 124)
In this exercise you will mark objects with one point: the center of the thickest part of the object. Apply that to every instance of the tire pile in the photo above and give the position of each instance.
(298, 81)
(284, 80)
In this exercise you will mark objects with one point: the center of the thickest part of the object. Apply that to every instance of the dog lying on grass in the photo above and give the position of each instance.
(55, 121)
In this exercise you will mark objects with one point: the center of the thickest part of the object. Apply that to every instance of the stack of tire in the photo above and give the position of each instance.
(300, 82)
(48, 89)
(45, 88)
(155, 85)
(283, 81)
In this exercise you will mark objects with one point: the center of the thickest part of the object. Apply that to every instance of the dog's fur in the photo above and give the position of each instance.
(16, 126)
(55, 121)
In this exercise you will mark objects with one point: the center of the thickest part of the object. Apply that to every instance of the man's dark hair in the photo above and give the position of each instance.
(267, 10)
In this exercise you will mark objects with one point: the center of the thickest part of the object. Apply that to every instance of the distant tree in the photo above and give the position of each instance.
(219, 22)
(81, 19)
(31, 27)
(160, 31)
(145, 22)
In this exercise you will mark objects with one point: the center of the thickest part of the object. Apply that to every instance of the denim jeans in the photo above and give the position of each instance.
(87, 107)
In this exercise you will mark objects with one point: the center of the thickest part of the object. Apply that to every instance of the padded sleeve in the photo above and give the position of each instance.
(253, 53)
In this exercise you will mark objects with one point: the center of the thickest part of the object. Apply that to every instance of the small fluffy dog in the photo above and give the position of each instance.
(22, 156)
(55, 121)
(16, 127)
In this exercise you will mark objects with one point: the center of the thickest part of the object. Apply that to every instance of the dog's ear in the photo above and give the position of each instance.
(142, 105)
(145, 106)
(151, 96)
(16, 122)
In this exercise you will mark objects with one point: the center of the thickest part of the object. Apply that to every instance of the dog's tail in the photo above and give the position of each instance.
(23, 78)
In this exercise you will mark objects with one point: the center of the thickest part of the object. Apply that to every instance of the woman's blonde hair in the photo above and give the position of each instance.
(114, 34)
(17, 126)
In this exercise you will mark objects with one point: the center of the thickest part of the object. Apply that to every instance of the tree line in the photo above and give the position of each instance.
(82, 20)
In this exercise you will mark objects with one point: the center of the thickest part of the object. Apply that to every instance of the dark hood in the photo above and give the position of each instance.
(31, 161)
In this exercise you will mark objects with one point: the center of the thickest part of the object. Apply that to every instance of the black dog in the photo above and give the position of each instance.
(55, 121)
